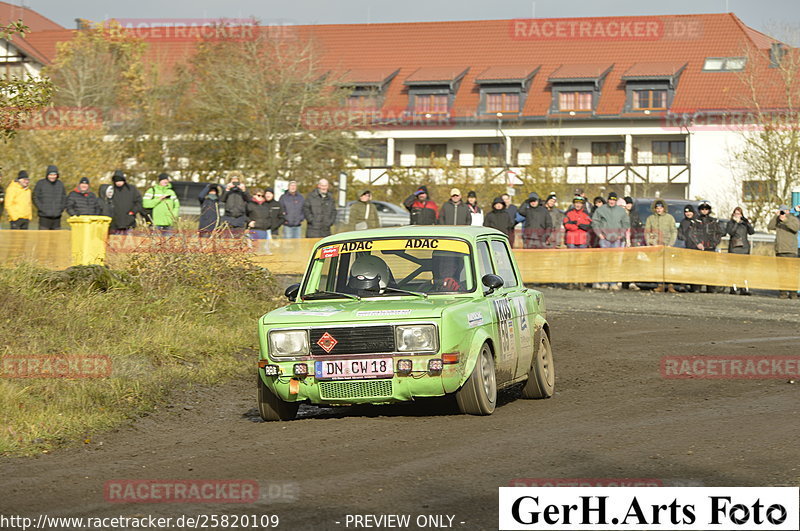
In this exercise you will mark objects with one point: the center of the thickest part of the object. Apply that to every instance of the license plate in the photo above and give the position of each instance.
(351, 369)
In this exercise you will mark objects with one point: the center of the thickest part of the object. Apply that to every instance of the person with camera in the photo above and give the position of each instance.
(739, 229)
(786, 227)
(235, 199)
(423, 211)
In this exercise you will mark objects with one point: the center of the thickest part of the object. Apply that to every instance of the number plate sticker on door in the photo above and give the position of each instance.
(354, 369)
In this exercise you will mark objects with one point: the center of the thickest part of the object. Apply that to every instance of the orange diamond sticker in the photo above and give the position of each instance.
(327, 342)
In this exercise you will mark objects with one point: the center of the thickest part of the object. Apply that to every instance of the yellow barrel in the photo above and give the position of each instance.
(89, 237)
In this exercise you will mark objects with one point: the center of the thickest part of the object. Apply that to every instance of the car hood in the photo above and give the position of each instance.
(338, 311)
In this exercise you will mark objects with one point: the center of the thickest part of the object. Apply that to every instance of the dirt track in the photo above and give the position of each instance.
(613, 416)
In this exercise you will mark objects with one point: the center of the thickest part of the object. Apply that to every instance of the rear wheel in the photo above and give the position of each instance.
(542, 376)
(478, 395)
(270, 407)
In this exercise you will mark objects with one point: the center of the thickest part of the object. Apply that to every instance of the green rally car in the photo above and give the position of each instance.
(389, 315)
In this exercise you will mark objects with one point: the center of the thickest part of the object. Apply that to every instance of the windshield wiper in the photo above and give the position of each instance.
(409, 292)
(323, 292)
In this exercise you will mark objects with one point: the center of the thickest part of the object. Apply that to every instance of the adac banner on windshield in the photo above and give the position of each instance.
(394, 244)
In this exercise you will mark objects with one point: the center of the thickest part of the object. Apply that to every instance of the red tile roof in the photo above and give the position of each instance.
(43, 44)
(428, 52)
(436, 74)
(32, 19)
(369, 76)
(657, 69)
(506, 73)
(580, 71)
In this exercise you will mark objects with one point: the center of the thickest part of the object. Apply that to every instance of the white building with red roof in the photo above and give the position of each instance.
(634, 104)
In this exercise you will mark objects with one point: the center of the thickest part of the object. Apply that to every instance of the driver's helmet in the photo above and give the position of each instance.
(369, 273)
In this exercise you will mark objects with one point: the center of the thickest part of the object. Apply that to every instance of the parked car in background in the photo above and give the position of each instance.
(389, 214)
(187, 192)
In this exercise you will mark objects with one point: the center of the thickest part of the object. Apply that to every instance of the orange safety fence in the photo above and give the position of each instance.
(634, 264)
(658, 264)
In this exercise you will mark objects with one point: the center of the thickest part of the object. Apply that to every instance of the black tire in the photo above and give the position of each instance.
(542, 375)
(270, 407)
(478, 395)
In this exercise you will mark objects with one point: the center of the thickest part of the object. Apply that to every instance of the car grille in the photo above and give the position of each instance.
(359, 389)
(354, 340)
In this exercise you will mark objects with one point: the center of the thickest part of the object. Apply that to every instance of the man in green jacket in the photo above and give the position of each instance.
(786, 227)
(163, 200)
(659, 229)
(363, 214)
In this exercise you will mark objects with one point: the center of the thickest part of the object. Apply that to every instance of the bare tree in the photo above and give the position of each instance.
(767, 164)
(246, 108)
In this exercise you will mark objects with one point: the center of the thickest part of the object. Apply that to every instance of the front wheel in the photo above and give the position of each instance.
(478, 395)
(270, 407)
(542, 375)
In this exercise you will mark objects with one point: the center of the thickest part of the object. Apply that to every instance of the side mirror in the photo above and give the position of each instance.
(492, 282)
(291, 292)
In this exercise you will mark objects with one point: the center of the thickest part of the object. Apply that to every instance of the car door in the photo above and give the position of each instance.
(505, 311)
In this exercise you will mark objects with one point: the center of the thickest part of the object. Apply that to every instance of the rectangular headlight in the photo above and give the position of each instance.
(416, 338)
(288, 343)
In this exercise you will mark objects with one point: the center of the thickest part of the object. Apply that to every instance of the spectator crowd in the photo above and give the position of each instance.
(605, 222)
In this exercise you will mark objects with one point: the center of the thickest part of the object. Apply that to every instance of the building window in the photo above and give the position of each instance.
(430, 154)
(669, 152)
(372, 154)
(492, 154)
(575, 101)
(431, 103)
(753, 191)
(653, 100)
(724, 64)
(608, 152)
(502, 102)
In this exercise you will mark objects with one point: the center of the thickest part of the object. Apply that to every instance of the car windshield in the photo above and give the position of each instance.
(387, 267)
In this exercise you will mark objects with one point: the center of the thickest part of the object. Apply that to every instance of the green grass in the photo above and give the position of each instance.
(165, 320)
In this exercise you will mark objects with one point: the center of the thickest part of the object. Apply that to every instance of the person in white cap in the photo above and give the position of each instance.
(454, 211)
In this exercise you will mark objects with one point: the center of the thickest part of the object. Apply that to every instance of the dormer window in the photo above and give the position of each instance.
(575, 100)
(650, 100)
(432, 90)
(576, 88)
(504, 88)
(651, 86)
(503, 102)
(431, 103)
(368, 86)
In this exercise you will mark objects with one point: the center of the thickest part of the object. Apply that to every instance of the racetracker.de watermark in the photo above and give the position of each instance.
(199, 491)
(55, 367)
(204, 29)
(606, 29)
(730, 367)
(731, 120)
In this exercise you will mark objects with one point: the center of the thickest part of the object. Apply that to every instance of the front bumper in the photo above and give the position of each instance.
(400, 388)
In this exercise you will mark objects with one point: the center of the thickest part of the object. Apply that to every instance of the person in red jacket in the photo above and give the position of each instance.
(577, 223)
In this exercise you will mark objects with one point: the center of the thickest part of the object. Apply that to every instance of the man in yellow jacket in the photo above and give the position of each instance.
(19, 205)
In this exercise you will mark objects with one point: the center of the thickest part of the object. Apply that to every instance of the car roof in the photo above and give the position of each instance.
(468, 232)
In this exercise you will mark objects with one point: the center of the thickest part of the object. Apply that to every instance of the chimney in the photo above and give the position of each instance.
(776, 52)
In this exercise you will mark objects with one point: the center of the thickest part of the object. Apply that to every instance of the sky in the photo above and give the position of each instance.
(770, 16)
